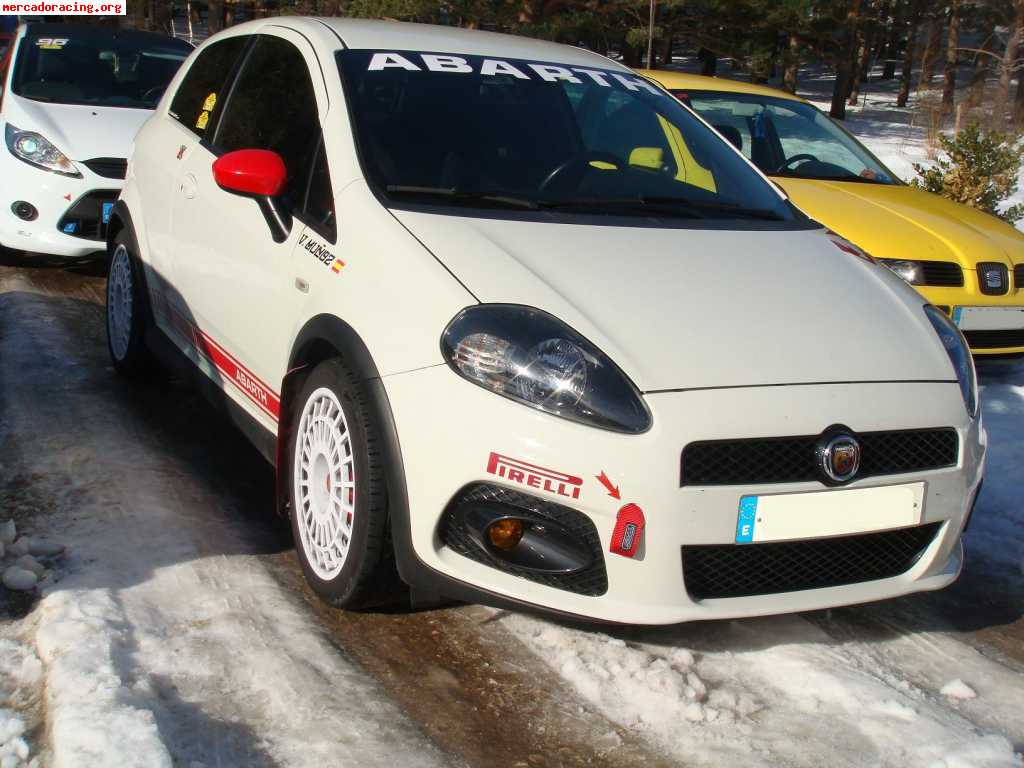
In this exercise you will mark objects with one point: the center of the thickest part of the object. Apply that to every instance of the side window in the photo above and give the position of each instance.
(202, 90)
(273, 106)
(319, 207)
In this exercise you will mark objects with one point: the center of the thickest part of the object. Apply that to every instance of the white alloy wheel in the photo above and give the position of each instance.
(119, 302)
(324, 478)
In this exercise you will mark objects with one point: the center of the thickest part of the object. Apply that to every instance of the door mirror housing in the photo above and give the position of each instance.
(261, 175)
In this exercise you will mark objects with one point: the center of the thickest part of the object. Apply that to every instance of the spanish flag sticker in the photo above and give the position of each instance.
(337, 266)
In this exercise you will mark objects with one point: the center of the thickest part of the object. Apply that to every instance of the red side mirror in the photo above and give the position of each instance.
(258, 172)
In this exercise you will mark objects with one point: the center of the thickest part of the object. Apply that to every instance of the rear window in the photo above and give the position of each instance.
(97, 67)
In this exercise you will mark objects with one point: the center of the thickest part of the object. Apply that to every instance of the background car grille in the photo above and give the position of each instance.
(994, 339)
(946, 273)
(108, 167)
(742, 570)
(1018, 277)
(591, 581)
(793, 460)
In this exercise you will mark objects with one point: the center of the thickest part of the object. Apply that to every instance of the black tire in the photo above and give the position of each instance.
(367, 576)
(130, 355)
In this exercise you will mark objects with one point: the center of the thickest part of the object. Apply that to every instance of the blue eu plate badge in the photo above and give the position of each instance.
(107, 208)
(747, 520)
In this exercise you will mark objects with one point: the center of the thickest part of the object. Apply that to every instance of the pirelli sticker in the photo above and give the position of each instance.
(381, 61)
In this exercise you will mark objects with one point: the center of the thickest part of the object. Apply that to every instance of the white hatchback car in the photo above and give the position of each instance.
(516, 323)
(71, 99)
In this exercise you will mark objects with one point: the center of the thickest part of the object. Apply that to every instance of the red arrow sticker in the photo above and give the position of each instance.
(613, 490)
(629, 528)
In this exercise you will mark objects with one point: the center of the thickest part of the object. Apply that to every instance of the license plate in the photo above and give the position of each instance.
(107, 208)
(819, 514)
(989, 318)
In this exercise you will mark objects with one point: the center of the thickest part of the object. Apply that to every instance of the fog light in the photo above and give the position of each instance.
(24, 211)
(505, 534)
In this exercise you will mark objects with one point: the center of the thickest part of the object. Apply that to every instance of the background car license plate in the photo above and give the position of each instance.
(107, 208)
(989, 318)
(828, 513)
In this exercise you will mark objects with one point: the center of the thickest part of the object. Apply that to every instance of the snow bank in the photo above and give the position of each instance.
(19, 670)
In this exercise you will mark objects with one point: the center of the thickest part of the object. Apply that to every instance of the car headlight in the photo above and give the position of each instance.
(529, 356)
(37, 150)
(959, 354)
(911, 271)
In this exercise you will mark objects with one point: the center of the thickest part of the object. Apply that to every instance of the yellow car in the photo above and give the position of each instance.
(967, 262)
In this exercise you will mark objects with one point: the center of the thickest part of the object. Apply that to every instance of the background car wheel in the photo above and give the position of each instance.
(127, 311)
(338, 492)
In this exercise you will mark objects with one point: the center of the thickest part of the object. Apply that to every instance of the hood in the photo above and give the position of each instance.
(80, 132)
(902, 222)
(688, 308)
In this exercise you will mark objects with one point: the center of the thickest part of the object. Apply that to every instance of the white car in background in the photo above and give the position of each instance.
(72, 98)
(513, 320)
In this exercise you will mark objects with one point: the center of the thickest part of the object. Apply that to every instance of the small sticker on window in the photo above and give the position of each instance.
(210, 103)
(51, 43)
(204, 118)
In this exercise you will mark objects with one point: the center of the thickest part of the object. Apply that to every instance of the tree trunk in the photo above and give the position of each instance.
(1009, 63)
(982, 66)
(892, 42)
(792, 64)
(952, 54)
(860, 68)
(215, 16)
(1018, 101)
(844, 60)
(665, 54)
(708, 62)
(933, 37)
(139, 15)
(908, 57)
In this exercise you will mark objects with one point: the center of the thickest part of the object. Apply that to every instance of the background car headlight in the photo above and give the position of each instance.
(36, 150)
(529, 356)
(911, 271)
(959, 354)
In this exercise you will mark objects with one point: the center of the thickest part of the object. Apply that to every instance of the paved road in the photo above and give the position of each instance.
(467, 684)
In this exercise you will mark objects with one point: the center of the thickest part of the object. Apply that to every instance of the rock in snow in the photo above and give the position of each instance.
(8, 533)
(958, 689)
(44, 548)
(19, 579)
(18, 548)
(29, 563)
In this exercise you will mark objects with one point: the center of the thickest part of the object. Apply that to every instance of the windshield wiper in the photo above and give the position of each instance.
(462, 196)
(674, 206)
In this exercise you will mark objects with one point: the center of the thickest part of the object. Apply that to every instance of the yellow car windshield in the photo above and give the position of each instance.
(789, 138)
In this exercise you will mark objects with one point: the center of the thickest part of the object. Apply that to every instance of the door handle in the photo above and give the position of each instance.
(188, 186)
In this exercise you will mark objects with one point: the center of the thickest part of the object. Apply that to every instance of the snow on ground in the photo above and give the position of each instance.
(164, 641)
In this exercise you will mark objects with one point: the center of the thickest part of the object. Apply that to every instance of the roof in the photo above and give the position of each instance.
(676, 81)
(404, 36)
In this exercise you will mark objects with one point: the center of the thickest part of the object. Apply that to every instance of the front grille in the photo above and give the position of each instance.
(993, 278)
(85, 217)
(591, 581)
(108, 167)
(743, 570)
(793, 459)
(947, 273)
(994, 339)
(1018, 277)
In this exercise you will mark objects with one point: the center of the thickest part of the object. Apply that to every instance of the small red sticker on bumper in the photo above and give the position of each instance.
(629, 529)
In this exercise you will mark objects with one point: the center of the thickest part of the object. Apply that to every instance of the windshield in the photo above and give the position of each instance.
(788, 138)
(467, 131)
(98, 67)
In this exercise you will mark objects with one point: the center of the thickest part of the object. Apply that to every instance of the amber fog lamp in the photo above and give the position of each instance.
(505, 534)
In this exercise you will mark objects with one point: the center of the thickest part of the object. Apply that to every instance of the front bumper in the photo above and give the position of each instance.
(993, 340)
(60, 201)
(448, 429)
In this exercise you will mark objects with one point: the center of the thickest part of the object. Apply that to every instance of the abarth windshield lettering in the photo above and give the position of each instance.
(469, 131)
